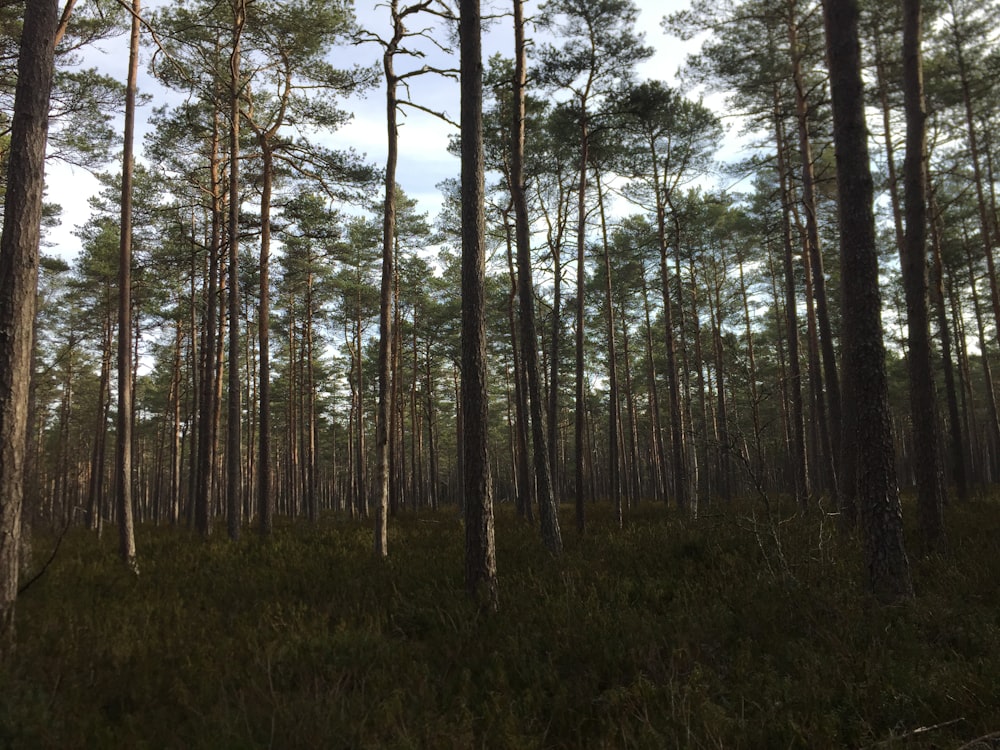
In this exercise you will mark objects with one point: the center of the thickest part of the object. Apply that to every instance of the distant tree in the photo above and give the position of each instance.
(19, 243)
(600, 49)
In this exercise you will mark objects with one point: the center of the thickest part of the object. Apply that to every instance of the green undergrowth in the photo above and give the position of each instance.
(665, 634)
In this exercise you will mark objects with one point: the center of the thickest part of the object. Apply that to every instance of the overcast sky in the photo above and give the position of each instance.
(424, 161)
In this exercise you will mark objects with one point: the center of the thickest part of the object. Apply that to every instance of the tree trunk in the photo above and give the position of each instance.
(923, 410)
(580, 403)
(265, 495)
(959, 473)
(123, 454)
(386, 318)
(234, 467)
(864, 353)
(614, 413)
(800, 464)
(480, 550)
(524, 485)
(818, 277)
(207, 402)
(19, 244)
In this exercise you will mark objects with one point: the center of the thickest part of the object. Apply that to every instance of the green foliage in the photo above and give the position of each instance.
(665, 634)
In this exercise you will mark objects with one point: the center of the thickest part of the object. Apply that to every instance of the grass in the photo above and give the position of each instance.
(664, 634)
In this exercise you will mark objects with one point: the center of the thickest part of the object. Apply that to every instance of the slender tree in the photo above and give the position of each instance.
(547, 508)
(600, 50)
(234, 443)
(123, 456)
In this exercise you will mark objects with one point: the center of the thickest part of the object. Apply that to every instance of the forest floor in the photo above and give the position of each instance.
(725, 632)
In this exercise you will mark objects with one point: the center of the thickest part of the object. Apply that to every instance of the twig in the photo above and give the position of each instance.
(48, 562)
(973, 743)
(924, 730)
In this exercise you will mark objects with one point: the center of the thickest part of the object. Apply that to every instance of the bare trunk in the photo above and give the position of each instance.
(123, 462)
(19, 244)
(234, 468)
(480, 550)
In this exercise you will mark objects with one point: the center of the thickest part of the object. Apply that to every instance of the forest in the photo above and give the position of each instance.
(644, 439)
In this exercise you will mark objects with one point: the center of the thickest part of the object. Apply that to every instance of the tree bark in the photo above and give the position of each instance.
(123, 456)
(234, 468)
(480, 549)
(386, 318)
(864, 353)
(19, 245)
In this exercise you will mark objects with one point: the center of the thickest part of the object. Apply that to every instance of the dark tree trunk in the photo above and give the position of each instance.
(864, 353)
(480, 550)
(923, 400)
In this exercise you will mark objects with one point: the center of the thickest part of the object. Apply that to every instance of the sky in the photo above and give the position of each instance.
(424, 161)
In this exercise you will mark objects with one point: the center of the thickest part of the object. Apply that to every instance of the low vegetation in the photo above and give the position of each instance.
(715, 633)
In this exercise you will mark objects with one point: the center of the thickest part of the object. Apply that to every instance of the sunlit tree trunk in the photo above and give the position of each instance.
(123, 454)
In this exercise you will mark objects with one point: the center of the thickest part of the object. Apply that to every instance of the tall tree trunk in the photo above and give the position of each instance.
(959, 467)
(985, 224)
(988, 460)
(176, 438)
(659, 454)
(580, 404)
(265, 494)
(234, 459)
(681, 489)
(123, 454)
(864, 353)
(757, 460)
(207, 402)
(923, 400)
(524, 485)
(95, 484)
(800, 464)
(614, 413)
(386, 318)
(19, 281)
(818, 277)
(722, 410)
(312, 499)
(480, 550)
